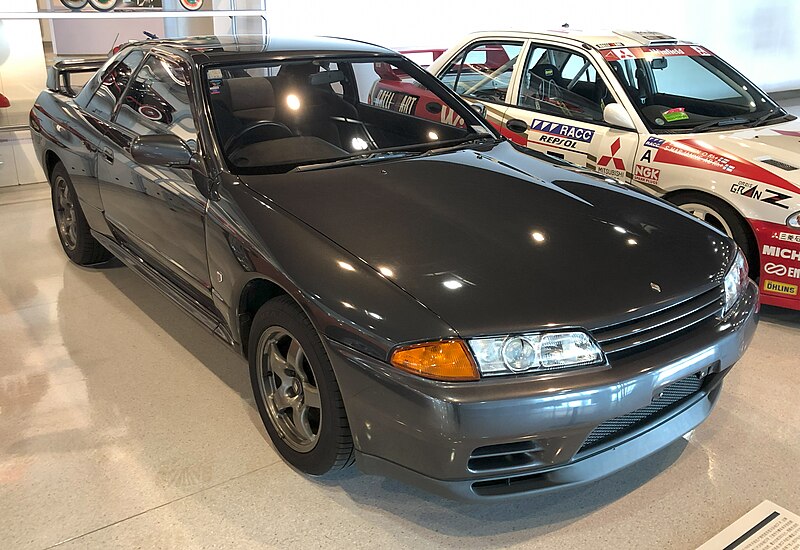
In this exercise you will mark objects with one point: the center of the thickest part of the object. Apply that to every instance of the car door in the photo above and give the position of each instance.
(158, 212)
(482, 72)
(560, 96)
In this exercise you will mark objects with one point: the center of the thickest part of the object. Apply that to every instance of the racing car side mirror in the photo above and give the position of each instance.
(616, 115)
(479, 108)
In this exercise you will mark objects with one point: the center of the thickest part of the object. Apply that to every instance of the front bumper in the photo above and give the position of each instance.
(429, 433)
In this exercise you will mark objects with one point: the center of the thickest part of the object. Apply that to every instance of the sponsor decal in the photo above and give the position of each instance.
(701, 50)
(676, 114)
(563, 130)
(619, 164)
(696, 153)
(780, 288)
(751, 190)
(214, 86)
(616, 54)
(778, 252)
(450, 117)
(647, 157)
(607, 45)
(788, 237)
(646, 174)
(791, 133)
(654, 142)
(780, 270)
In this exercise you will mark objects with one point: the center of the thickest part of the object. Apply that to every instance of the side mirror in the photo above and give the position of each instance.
(162, 150)
(616, 115)
(479, 108)
(659, 63)
(517, 125)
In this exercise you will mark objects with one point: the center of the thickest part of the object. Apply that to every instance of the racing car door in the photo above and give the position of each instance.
(158, 211)
(481, 73)
(561, 97)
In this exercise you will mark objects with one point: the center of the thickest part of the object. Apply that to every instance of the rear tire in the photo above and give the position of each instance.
(722, 216)
(73, 230)
(296, 391)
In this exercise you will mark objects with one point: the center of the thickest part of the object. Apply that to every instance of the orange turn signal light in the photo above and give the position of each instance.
(448, 360)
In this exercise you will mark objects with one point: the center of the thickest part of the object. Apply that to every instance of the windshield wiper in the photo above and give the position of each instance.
(721, 122)
(362, 158)
(763, 118)
(452, 144)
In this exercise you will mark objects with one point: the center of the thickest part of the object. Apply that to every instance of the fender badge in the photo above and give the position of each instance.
(655, 287)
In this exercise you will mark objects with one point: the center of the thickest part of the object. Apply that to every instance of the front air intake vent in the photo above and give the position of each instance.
(779, 164)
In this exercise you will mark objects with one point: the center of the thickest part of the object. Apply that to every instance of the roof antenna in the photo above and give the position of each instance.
(565, 26)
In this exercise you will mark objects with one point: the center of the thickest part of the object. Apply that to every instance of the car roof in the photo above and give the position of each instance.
(596, 39)
(216, 47)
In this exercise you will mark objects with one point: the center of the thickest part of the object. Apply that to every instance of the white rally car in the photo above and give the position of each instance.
(647, 109)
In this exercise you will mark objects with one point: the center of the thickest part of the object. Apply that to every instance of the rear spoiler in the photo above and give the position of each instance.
(58, 75)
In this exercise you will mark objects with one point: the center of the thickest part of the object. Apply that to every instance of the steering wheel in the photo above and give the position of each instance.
(263, 130)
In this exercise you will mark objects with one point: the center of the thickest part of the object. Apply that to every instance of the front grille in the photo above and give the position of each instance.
(671, 396)
(630, 336)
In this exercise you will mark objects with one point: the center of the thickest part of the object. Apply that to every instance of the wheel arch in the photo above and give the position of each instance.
(49, 162)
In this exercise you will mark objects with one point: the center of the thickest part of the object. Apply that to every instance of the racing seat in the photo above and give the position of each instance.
(547, 80)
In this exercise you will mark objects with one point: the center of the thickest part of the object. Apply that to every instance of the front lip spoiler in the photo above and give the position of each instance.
(579, 472)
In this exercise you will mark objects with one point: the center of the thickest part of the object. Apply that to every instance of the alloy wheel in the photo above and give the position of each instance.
(708, 215)
(65, 214)
(289, 389)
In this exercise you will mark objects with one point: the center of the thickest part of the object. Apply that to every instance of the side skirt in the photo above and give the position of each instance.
(165, 286)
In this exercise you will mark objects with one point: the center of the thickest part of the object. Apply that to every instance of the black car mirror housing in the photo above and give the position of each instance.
(162, 150)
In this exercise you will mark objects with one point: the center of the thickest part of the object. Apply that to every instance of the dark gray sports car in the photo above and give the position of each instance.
(413, 292)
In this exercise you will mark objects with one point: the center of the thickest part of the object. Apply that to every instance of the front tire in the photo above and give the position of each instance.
(73, 229)
(296, 391)
(722, 216)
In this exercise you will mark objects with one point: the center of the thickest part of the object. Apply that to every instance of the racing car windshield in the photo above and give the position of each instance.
(681, 88)
(275, 117)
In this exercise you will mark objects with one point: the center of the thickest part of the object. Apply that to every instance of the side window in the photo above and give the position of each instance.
(158, 102)
(563, 83)
(113, 85)
(483, 70)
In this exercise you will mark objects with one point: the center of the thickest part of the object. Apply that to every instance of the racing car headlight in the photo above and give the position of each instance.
(794, 220)
(735, 280)
(535, 352)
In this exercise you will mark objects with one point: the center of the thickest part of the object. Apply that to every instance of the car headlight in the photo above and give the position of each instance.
(794, 220)
(535, 352)
(735, 280)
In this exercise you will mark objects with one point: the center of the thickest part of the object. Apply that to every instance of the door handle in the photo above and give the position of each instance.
(108, 155)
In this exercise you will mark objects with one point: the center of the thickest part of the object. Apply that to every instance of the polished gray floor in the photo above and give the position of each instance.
(124, 424)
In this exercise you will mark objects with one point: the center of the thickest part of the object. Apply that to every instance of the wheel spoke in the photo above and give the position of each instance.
(294, 359)
(277, 362)
(300, 418)
(311, 396)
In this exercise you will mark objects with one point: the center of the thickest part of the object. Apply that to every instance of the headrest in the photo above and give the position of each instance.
(250, 92)
(546, 71)
(298, 73)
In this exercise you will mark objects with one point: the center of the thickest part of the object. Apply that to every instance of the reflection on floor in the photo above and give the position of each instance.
(123, 423)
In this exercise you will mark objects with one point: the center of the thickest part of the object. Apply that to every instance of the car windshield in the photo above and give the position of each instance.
(281, 116)
(688, 89)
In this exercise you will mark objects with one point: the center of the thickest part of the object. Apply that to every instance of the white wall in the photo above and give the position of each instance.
(759, 37)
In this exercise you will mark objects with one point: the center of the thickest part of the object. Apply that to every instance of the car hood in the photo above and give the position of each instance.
(767, 154)
(497, 241)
